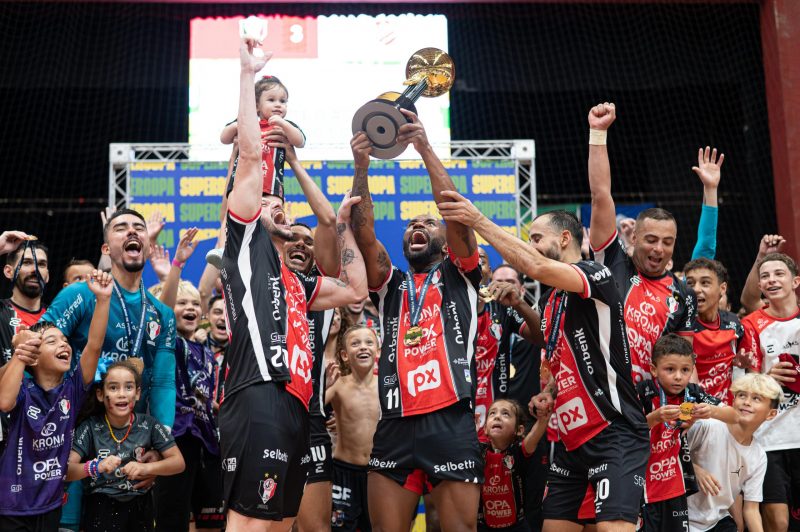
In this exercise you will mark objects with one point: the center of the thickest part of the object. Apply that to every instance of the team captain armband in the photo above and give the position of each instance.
(465, 264)
(597, 137)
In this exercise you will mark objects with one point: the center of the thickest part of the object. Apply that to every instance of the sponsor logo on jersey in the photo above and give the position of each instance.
(33, 412)
(340, 493)
(571, 415)
(49, 429)
(229, 464)
(425, 377)
(382, 464)
(48, 442)
(266, 489)
(275, 454)
(508, 461)
(605, 273)
(153, 329)
(47, 469)
(454, 466)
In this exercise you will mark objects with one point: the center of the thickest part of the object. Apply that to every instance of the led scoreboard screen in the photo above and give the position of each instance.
(189, 194)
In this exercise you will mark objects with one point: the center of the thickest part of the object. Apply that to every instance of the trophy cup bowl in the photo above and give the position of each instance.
(430, 72)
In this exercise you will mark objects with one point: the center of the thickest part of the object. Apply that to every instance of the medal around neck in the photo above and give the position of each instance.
(430, 72)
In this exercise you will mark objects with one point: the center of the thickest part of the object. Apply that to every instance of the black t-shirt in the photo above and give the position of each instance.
(93, 440)
(319, 324)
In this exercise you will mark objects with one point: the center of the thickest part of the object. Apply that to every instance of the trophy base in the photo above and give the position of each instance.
(381, 119)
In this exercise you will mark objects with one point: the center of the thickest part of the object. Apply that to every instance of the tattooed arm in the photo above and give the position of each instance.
(376, 258)
(351, 287)
(460, 238)
(326, 252)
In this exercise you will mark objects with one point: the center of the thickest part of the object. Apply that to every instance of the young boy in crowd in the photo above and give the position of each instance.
(355, 402)
(671, 403)
(717, 332)
(729, 460)
(42, 414)
(772, 336)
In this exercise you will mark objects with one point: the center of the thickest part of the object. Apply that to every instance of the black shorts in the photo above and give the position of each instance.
(602, 480)
(519, 526)
(264, 446)
(321, 451)
(46, 522)
(197, 490)
(106, 514)
(665, 516)
(783, 472)
(349, 491)
(726, 524)
(420, 451)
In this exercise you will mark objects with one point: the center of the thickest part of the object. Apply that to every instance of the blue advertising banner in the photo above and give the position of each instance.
(189, 194)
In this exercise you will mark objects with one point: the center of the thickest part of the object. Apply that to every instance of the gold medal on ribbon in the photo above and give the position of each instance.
(413, 336)
(32, 238)
(544, 370)
(484, 294)
(686, 411)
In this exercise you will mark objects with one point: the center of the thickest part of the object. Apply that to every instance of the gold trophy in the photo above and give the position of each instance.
(430, 72)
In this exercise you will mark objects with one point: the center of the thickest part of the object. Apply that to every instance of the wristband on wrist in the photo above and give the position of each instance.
(597, 137)
(177, 263)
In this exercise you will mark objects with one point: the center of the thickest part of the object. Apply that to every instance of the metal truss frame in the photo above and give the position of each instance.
(522, 152)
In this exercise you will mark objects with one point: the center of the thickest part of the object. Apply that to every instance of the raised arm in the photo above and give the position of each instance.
(376, 259)
(708, 170)
(536, 433)
(603, 222)
(351, 287)
(751, 294)
(523, 257)
(11, 240)
(245, 199)
(326, 244)
(169, 292)
(101, 284)
(460, 238)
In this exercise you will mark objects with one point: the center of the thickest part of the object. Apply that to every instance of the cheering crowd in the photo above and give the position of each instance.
(306, 382)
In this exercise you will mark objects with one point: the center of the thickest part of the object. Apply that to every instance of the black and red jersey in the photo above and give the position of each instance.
(590, 360)
(440, 370)
(319, 324)
(266, 305)
(665, 467)
(654, 306)
(716, 345)
(503, 490)
(11, 317)
(496, 324)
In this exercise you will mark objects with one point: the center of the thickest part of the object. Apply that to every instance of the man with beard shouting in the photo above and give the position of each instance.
(426, 438)
(27, 270)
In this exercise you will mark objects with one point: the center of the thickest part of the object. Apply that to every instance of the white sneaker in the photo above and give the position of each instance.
(214, 258)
